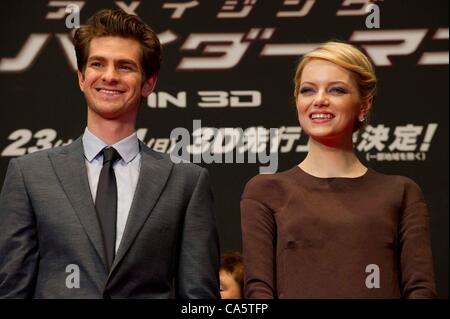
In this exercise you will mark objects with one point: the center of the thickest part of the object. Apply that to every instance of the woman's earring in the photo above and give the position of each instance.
(361, 118)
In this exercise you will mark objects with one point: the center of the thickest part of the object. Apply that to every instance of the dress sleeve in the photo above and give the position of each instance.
(416, 262)
(258, 242)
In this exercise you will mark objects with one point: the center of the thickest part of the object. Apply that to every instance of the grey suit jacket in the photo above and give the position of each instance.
(49, 231)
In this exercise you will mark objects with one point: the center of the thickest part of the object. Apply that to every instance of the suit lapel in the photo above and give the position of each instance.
(69, 165)
(153, 176)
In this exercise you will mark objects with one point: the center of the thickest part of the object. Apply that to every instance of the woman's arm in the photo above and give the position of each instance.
(259, 242)
(416, 262)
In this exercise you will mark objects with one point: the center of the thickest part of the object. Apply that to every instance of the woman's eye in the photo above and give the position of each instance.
(338, 90)
(96, 64)
(306, 90)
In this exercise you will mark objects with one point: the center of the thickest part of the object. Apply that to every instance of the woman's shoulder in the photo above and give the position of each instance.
(392, 178)
(269, 185)
(410, 188)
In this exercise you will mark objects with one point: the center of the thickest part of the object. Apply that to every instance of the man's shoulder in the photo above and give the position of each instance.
(179, 166)
(43, 155)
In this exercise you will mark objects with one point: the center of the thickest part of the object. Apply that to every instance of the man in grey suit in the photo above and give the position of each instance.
(107, 217)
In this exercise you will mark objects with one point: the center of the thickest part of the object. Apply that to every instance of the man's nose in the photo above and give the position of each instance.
(110, 74)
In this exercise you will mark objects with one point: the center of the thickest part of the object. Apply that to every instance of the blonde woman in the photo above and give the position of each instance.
(330, 227)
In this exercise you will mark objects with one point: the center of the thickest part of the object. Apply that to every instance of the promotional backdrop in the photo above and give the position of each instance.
(226, 89)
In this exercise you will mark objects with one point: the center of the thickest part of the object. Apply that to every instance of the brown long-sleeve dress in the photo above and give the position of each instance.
(310, 237)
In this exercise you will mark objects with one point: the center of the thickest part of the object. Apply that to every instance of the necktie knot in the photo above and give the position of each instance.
(110, 155)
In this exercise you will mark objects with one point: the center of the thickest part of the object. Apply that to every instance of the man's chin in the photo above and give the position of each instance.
(107, 113)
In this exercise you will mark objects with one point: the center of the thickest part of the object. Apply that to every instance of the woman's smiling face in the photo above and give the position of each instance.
(328, 102)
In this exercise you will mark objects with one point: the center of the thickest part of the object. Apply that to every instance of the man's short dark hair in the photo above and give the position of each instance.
(116, 22)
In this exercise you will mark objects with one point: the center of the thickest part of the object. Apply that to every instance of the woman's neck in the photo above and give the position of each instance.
(332, 160)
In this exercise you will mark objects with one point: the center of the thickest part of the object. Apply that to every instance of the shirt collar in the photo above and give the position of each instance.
(128, 147)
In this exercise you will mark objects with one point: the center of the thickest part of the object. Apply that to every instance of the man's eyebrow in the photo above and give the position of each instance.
(118, 61)
(96, 57)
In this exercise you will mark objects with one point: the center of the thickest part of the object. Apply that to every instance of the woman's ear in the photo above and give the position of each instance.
(366, 105)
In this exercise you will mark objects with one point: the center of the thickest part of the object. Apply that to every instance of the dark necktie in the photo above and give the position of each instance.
(106, 202)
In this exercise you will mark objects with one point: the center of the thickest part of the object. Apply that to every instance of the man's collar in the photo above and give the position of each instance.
(128, 147)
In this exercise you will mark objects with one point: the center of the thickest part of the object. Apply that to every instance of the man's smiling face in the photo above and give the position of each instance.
(113, 79)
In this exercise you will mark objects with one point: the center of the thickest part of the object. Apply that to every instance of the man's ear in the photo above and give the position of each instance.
(80, 80)
(149, 85)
